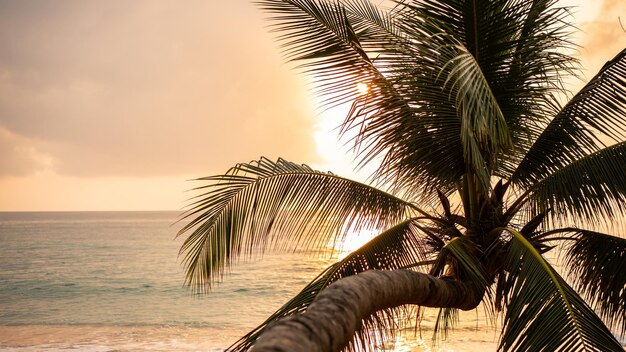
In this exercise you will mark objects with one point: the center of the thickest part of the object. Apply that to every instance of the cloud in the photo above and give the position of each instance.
(147, 88)
(20, 156)
(604, 36)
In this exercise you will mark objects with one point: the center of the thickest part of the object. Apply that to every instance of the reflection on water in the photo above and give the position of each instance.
(36, 338)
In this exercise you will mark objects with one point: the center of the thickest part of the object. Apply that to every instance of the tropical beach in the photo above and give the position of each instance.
(413, 175)
(110, 281)
(57, 298)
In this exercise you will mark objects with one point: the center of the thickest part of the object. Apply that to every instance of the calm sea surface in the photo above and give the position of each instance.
(111, 281)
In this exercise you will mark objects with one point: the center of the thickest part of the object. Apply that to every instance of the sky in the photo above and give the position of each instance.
(117, 105)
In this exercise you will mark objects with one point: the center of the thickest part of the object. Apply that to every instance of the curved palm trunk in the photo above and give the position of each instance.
(332, 319)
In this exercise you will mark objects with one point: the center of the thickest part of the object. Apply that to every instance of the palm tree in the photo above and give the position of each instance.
(481, 171)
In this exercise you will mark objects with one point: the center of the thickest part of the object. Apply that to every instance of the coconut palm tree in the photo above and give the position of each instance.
(482, 173)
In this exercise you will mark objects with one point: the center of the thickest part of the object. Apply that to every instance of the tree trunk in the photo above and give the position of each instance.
(332, 319)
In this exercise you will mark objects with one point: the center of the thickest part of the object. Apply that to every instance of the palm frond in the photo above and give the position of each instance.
(595, 262)
(543, 313)
(276, 204)
(401, 246)
(518, 47)
(342, 44)
(462, 260)
(318, 34)
(467, 265)
(520, 64)
(447, 319)
(448, 117)
(392, 120)
(591, 188)
(397, 121)
(483, 127)
(594, 116)
(528, 84)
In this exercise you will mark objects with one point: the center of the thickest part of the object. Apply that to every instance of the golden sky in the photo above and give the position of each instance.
(113, 105)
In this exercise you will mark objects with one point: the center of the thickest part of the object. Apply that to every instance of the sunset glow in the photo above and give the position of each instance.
(102, 95)
(312, 175)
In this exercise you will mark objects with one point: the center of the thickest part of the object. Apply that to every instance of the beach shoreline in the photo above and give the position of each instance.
(100, 338)
(111, 338)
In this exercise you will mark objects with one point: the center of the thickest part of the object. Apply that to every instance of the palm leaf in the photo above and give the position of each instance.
(334, 41)
(276, 204)
(409, 118)
(320, 35)
(483, 128)
(543, 313)
(401, 246)
(595, 115)
(467, 265)
(526, 87)
(591, 188)
(463, 262)
(447, 319)
(517, 46)
(595, 262)
(391, 120)
(519, 69)
(444, 119)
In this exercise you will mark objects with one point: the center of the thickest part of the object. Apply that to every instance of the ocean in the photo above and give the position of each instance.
(112, 281)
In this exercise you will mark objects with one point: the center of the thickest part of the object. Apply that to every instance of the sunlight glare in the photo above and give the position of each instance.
(362, 88)
(355, 239)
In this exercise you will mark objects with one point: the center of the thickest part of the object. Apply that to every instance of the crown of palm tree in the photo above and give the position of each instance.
(461, 115)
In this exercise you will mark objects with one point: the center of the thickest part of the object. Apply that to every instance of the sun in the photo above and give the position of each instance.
(354, 240)
(362, 88)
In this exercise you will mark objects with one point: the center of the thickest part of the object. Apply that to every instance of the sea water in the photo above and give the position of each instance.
(112, 281)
